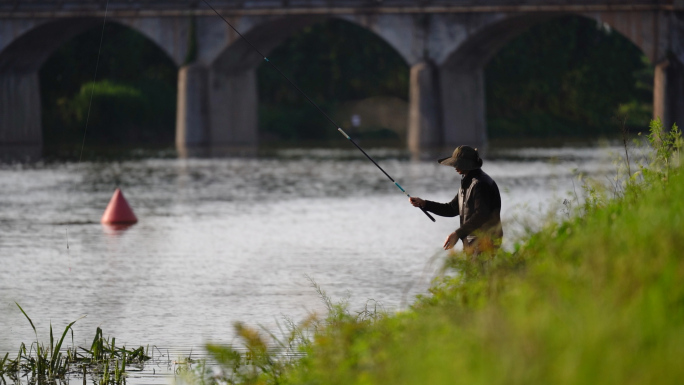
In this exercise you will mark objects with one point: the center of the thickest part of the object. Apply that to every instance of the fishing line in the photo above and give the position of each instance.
(92, 89)
(67, 242)
(90, 104)
(315, 105)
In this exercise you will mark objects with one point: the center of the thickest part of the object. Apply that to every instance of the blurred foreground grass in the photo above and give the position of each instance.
(598, 298)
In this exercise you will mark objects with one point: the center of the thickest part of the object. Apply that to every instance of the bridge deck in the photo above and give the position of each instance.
(56, 8)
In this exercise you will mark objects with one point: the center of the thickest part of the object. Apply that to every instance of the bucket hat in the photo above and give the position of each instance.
(464, 158)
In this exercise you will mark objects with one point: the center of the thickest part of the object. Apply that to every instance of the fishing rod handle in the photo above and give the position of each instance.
(428, 214)
(408, 195)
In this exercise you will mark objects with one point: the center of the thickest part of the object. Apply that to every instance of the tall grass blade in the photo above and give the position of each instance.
(52, 341)
(2, 364)
(61, 340)
(96, 347)
(29, 319)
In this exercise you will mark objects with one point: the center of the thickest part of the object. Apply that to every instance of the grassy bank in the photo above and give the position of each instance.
(595, 299)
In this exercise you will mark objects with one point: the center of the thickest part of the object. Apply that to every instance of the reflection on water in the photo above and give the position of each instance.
(216, 151)
(20, 153)
(227, 239)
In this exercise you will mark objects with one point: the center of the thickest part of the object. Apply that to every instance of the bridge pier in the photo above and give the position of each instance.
(233, 106)
(446, 107)
(424, 125)
(192, 122)
(463, 99)
(217, 96)
(215, 108)
(668, 92)
(20, 108)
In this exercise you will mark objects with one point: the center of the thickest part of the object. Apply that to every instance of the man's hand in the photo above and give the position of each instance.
(450, 241)
(417, 202)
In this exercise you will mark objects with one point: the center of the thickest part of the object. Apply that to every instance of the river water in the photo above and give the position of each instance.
(231, 239)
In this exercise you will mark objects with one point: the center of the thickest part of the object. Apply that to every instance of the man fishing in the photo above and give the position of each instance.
(478, 204)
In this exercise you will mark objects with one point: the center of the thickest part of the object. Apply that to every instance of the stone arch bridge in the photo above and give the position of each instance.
(446, 44)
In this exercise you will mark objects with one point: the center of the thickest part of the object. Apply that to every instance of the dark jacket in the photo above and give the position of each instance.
(480, 214)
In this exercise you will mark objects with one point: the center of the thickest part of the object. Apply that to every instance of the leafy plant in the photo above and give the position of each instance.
(267, 358)
(667, 146)
(48, 364)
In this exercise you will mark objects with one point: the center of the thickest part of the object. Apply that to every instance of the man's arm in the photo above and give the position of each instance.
(450, 209)
(443, 209)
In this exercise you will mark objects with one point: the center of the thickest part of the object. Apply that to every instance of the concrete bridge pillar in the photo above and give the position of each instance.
(233, 106)
(668, 92)
(446, 107)
(424, 125)
(216, 108)
(20, 108)
(463, 111)
(192, 120)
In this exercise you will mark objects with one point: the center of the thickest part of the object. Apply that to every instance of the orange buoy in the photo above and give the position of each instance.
(118, 210)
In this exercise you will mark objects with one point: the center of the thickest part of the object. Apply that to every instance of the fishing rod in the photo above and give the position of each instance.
(315, 105)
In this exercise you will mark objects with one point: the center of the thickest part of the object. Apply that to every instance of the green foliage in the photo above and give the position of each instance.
(295, 123)
(52, 363)
(667, 146)
(47, 363)
(267, 358)
(332, 62)
(262, 359)
(119, 113)
(564, 78)
(131, 70)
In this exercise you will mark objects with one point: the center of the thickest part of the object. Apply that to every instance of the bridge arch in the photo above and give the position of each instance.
(20, 104)
(461, 71)
(426, 35)
(484, 43)
(346, 67)
(24, 52)
(218, 100)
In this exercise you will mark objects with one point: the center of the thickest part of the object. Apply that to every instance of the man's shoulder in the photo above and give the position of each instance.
(482, 176)
(485, 181)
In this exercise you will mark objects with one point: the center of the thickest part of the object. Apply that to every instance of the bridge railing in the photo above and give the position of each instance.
(8, 7)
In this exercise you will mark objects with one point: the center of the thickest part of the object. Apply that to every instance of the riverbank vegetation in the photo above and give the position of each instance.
(594, 298)
(565, 77)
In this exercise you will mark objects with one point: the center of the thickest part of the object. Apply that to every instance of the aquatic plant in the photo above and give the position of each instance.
(49, 364)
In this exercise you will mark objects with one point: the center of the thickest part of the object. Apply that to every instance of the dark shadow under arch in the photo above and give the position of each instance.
(135, 89)
(29, 51)
(23, 68)
(337, 63)
(558, 75)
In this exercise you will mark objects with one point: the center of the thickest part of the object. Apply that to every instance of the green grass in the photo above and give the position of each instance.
(49, 364)
(118, 113)
(597, 299)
